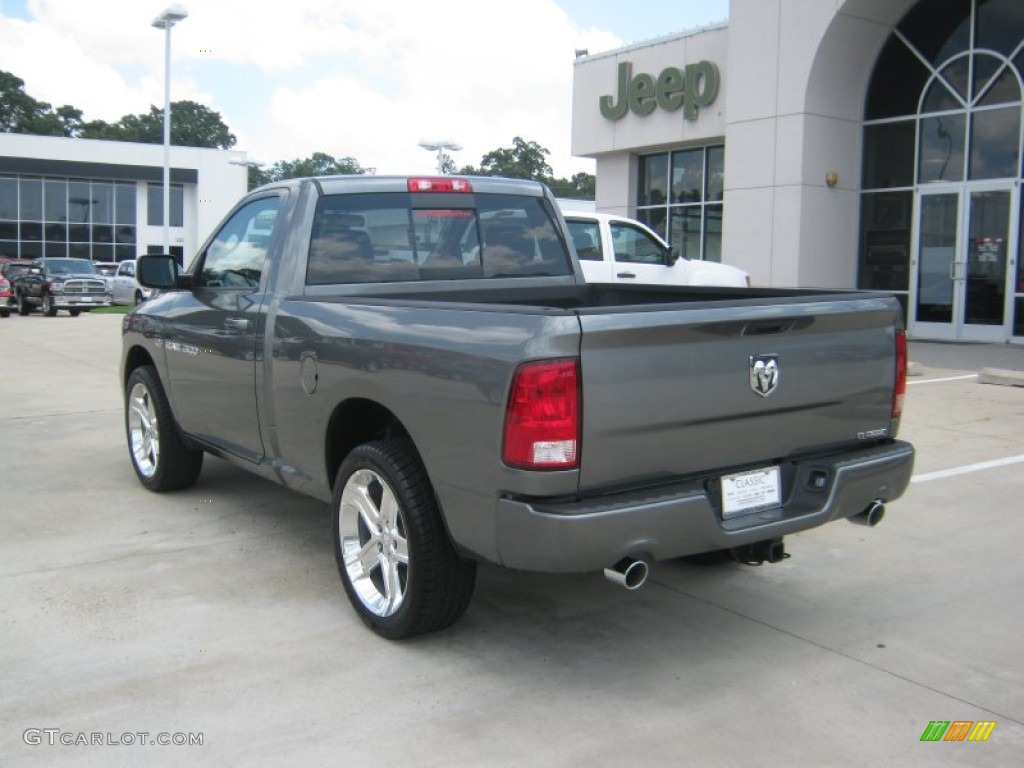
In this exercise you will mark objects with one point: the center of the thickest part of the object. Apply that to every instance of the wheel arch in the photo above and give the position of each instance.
(353, 422)
(136, 358)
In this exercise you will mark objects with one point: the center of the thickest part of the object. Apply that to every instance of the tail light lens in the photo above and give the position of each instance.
(900, 388)
(542, 420)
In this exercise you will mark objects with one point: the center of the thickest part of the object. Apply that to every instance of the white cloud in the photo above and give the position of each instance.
(361, 79)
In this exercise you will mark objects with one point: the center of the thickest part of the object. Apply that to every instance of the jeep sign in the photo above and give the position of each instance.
(689, 88)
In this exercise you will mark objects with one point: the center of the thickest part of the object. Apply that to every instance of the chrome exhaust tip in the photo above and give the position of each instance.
(871, 516)
(629, 573)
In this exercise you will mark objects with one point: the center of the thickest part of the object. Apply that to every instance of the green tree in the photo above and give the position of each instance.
(70, 120)
(582, 186)
(524, 160)
(528, 160)
(20, 113)
(195, 125)
(192, 125)
(317, 164)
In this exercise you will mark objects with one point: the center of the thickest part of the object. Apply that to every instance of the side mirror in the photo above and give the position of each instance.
(670, 257)
(158, 271)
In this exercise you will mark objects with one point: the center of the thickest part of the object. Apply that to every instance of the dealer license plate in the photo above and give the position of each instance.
(747, 492)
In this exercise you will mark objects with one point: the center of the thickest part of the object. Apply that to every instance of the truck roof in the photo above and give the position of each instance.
(333, 185)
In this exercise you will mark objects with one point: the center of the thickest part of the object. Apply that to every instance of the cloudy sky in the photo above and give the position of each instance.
(367, 79)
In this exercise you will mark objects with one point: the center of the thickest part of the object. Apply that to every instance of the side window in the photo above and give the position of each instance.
(126, 270)
(635, 246)
(586, 237)
(236, 256)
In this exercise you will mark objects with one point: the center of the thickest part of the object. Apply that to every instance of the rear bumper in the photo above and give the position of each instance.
(685, 519)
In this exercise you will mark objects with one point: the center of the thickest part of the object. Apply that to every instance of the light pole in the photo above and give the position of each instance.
(171, 16)
(440, 147)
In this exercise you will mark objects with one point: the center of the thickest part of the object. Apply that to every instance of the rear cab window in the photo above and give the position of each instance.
(586, 238)
(382, 237)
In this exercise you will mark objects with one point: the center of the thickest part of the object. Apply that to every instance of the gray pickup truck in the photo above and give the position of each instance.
(424, 355)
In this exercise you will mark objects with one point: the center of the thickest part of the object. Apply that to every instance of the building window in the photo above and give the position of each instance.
(679, 196)
(942, 128)
(67, 217)
(155, 205)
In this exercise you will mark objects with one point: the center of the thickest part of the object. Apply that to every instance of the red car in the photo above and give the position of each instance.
(8, 269)
(5, 297)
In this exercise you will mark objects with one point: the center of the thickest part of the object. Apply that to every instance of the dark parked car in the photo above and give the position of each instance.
(52, 284)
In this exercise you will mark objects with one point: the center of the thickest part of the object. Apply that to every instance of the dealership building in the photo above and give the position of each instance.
(103, 200)
(846, 144)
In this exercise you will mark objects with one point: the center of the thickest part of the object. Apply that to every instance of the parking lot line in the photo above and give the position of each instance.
(967, 468)
(948, 378)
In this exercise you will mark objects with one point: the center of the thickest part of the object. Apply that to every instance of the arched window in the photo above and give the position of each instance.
(945, 105)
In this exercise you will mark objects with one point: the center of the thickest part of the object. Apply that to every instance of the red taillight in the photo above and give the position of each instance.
(542, 423)
(900, 388)
(439, 184)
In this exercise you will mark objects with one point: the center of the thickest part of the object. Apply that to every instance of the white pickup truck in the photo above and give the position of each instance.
(124, 287)
(614, 249)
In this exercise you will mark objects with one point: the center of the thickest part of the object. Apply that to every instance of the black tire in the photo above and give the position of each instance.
(402, 576)
(5, 312)
(23, 306)
(138, 298)
(74, 312)
(161, 459)
(48, 308)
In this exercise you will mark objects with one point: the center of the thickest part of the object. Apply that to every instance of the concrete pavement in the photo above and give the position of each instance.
(218, 611)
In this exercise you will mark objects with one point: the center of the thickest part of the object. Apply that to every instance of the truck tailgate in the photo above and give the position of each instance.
(669, 391)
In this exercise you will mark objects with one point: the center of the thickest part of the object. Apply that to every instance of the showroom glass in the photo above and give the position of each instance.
(1018, 315)
(987, 236)
(689, 215)
(58, 217)
(155, 205)
(954, 120)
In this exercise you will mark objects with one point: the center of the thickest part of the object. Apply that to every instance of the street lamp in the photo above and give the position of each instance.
(440, 147)
(171, 16)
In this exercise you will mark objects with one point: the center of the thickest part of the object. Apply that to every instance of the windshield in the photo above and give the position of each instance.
(70, 267)
(13, 270)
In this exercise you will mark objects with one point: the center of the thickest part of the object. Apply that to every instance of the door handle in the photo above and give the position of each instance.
(625, 274)
(236, 323)
(954, 271)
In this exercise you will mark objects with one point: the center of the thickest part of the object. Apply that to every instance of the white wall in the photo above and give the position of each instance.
(799, 72)
(596, 76)
(222, 178)
(616, 143)
(794, 74)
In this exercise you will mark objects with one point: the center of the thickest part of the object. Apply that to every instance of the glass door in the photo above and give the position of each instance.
(934, 265)
(964, 239)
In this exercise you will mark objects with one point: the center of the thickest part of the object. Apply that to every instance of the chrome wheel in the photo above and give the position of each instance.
(143, 430)
(162, 460)
(373, 545)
